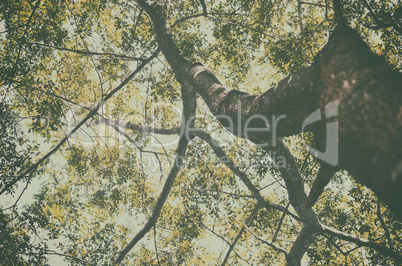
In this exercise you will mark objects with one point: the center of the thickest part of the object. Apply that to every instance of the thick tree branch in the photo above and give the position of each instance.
(305, 238)
(339, 18)
(344, 72)
(295, 186)
(362, 242)
(324, 175)
(293, 96)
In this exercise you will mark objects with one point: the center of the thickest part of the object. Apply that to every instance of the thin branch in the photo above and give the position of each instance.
(299, 11)
(18, 199)
(220, 191)
(114, 123)
(265, 242)
(278, 228)
(156, 247)
(227, 242)
(177, 22)
(245, 223)
(51, 252)
(346, 254)
(118, 56)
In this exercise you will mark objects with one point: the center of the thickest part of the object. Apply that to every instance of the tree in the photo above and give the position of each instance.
(138, 173)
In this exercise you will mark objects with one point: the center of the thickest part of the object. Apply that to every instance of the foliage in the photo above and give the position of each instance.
(58, 59)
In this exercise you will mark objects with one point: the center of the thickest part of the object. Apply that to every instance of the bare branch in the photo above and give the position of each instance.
(346, 254)
(51, 252)
(117, 56)
(181, 150)
(138, 128)
(177, 22)
(156, 247)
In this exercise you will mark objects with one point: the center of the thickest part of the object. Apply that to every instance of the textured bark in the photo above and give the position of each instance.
(370, 113)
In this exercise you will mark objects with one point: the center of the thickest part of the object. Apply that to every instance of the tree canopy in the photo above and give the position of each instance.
(198, 132)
